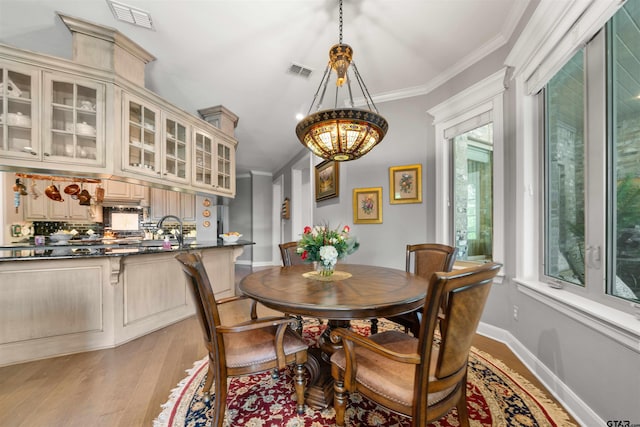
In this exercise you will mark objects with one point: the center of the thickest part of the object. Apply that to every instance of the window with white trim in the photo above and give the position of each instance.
(470, 170)
(592, 165)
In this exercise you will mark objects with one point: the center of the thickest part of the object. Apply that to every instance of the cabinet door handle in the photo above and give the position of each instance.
(33, 153)
(46, 154)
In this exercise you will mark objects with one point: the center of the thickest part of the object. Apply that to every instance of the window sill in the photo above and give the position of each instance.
(618, 325)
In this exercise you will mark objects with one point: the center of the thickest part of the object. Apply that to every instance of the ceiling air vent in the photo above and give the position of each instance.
(300, 70)
(131, 15)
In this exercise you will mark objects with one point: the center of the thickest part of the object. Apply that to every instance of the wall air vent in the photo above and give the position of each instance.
(131, 15)
(300, 70)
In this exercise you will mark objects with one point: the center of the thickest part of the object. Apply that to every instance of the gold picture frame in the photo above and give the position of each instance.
(405, 184)
(367, 205)
(327, 180)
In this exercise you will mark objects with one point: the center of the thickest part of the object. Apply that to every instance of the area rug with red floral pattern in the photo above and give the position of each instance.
(496, 396)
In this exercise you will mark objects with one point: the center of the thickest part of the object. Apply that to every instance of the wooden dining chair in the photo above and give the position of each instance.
(426, 258)
(257, 345)
(289, 254)
(421, 377)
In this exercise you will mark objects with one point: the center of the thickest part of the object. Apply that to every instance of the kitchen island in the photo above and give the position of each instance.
(62, 299)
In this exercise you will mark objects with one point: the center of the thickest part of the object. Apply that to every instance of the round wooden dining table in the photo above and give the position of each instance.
(353, 292)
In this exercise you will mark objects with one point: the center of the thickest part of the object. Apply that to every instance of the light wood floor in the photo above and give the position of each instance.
(124, 386)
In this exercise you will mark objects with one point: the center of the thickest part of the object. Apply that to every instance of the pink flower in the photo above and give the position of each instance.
(304, 255)
(346, 229)
(307, 230)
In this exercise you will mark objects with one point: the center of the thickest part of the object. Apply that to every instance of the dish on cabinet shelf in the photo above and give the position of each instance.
(87, 106)
(85, 129)
(18, 119)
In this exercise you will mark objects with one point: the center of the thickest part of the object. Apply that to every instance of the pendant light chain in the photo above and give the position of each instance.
(340, 40)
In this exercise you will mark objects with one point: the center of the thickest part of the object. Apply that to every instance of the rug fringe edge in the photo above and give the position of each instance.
(556, 412)
(163, 418)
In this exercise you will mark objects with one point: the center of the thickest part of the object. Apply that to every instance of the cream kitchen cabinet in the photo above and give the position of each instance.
(93, 115)
(120, 191)
(157, 141)
(167, 202)
(141, 137)
(45, 209)
(214, 163)
(73, 125)
(19, 111)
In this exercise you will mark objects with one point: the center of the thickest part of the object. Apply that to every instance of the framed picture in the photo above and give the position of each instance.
(327, 180)
(367, 205)
(405, 184)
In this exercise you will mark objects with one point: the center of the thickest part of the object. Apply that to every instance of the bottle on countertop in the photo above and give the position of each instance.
(166, 244)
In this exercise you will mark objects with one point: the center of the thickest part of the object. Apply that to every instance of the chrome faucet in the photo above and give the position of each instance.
(180, 237)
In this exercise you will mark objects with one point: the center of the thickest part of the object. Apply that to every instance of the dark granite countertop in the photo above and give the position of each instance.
(27, 252)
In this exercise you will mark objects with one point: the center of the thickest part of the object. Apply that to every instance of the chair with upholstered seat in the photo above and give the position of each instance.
(256, 345)
(289, 254)
(427, 259)
(423, 377)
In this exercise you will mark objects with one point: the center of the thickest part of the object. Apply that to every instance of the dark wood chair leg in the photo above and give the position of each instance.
(374, 326)
(339, 402)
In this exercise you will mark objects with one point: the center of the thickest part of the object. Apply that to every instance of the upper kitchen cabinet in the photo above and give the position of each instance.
(125, 192)
(73, 120)
(176, 150)
(157, 142)
(214, 163)
(142, 152)
(93, 117)
(18, 111)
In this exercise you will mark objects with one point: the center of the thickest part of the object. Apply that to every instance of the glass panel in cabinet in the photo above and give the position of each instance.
(181, 167)
(135, 133)
(87, 99)
(149, 160)
(149, 139)
(170, 165)
(18, 139)
(62, 119)
(181, 133)
(149, 119)
(135, 113)
(170, 148)
(62, 94)
(135, 156)
(62, 145)
(86, 147)
(17, 85)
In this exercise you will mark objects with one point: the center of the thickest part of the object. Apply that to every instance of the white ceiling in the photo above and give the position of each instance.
(237, 52)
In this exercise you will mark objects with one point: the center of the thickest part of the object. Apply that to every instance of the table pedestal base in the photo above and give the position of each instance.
(320, 386)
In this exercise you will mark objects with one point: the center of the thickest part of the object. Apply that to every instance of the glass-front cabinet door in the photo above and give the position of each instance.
(214, 163)
(142, 151)
(224, 171)
(74, 120)
(18, 112)
(203, 159)
(175, 151)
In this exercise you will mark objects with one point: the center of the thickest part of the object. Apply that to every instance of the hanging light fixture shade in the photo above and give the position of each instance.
(341, 133)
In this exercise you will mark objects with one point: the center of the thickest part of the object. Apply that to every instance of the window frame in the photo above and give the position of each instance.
(542, 49)
(475, 106)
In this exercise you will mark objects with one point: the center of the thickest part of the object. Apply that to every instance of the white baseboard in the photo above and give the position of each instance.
(243, 262)
(262, 264)
(578, 409)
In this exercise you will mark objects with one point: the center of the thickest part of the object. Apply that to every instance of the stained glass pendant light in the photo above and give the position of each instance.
(341, 133)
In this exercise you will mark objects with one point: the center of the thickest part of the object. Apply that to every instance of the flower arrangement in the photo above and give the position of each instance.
(326, 246)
